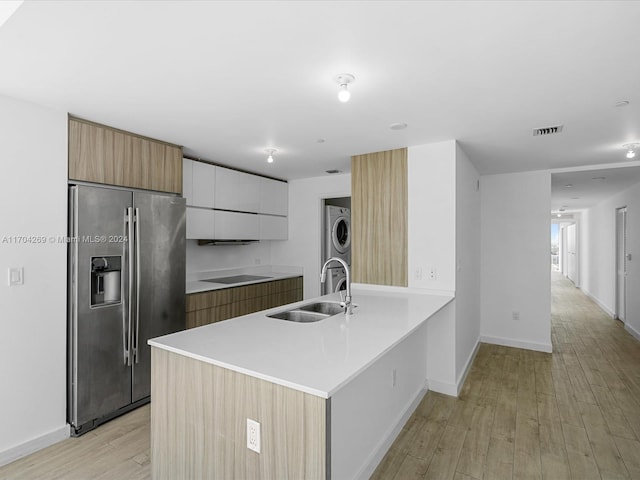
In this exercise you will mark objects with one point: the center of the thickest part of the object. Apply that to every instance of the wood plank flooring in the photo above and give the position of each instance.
(573, 414)
(521, 414)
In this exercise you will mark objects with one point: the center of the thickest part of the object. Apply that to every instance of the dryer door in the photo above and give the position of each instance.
(341, 234)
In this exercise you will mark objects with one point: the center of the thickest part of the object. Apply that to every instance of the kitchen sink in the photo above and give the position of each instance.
(312, 312)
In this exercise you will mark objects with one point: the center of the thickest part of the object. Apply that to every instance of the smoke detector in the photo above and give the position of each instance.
(547, 130)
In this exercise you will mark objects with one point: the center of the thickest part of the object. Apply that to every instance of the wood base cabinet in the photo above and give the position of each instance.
(216, 305)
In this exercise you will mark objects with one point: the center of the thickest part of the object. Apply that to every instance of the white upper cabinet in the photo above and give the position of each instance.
(187, 180)
(274, 197)
(237, 190)
(236, 226)
(225, 204)
(204, 181)
(200, 223)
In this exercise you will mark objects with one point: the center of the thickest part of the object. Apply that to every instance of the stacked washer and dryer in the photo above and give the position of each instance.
(337, 243)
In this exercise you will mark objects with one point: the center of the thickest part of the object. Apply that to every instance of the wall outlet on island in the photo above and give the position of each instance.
(253, 435)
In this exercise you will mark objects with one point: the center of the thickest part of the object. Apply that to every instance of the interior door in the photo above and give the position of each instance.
(621, 262)
(160, 263)
(572, 260)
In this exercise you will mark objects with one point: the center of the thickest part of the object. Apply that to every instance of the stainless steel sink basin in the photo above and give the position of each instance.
(312, 312)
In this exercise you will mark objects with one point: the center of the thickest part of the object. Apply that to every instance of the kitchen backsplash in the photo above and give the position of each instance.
(202, 258)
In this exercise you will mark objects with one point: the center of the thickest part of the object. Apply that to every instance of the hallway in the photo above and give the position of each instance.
(522, 414)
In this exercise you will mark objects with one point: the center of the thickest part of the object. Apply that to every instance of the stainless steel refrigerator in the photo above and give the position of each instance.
(126, 285)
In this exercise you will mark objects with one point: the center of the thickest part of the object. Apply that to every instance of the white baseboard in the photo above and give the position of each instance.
(467, 367)
(384, 445)
(599, 303)
(510, 342)
(33, 445)
(632, 331)
(446, 388)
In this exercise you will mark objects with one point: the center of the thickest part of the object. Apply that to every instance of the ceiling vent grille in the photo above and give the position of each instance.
(547, 130)
(332, 171)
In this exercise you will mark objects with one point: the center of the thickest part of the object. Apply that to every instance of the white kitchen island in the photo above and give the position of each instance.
(329, 395)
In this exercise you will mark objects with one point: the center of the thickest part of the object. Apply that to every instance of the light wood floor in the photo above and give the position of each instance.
(571, 414)
(522, 414)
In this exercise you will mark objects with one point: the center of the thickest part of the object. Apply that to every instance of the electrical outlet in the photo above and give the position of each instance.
(515, 315)
(418, 273)
(432, 273)
(253, 435)
(393, 378)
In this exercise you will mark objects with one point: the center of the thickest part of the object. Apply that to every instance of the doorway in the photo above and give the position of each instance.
(621, 263)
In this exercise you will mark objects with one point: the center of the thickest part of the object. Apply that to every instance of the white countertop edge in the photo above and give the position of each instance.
(297, 386)
(251, 373)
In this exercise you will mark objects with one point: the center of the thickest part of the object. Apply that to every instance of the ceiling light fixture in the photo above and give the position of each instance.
(270, 151)
(631, 149)
(344, 79)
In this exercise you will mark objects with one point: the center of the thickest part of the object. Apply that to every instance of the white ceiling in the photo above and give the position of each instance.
(229, 79)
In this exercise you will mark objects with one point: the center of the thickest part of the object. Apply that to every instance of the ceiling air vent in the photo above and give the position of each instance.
(547, 130)
(332, 171)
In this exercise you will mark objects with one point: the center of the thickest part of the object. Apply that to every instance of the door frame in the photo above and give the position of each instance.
(620, 295)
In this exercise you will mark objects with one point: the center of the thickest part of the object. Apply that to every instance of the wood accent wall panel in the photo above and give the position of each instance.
(102, 154)
(216, 305)
(379, 218)
(198, 424)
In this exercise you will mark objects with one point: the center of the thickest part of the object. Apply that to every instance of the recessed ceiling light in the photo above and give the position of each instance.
(565, 206)
(575, 198)
(569, 185)
(320, 140)
(559, 215)
(622, 103)
(598, 178)
(561, 210)
(398, 126)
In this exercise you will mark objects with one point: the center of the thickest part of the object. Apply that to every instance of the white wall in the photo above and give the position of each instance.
(467, 267)
(305, 222)
(203, 258)
(33, 199)
(515, 262)
(597, 259)
(432, 216)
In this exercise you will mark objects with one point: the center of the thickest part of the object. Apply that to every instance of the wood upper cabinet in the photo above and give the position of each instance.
(379, 218)
(106, 155)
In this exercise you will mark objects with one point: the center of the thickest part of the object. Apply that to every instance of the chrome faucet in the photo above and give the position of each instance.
(348, 307)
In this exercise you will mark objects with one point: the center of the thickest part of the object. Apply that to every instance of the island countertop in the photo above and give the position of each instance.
(317, 358)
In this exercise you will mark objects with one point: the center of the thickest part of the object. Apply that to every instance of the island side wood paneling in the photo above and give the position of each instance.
(102, 154)
(379, 218)
(198, 424)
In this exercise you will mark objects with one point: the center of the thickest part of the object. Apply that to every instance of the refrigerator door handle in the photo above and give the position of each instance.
(138, 270)
(126, 330)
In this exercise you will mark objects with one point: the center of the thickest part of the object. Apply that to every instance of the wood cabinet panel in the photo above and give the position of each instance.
(102, 154)
(216, 305)
(198, 424)
(379, 218)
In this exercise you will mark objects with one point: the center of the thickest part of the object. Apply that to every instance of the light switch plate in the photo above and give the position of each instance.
(15, 276)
